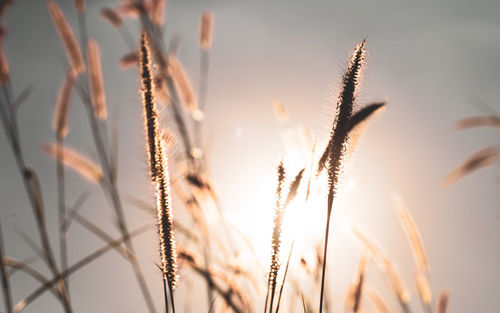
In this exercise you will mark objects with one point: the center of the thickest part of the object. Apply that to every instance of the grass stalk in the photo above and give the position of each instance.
(7, 293)
(61, 204)
(339, 141)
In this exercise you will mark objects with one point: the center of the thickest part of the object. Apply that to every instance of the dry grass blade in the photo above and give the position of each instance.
(355, 128)
(482, 158)
(72, 159)
(206, 30)
(96, 81)
(60, 120)
(21, 305)
(23, 95)
(74, 209)
(227, 295)
(442, 304)
(24, 267)
(67, 37)
(27, 261)
(183, 87)
(112, 17)
(378, 302)
(364, 114)
(7, 293)
(476, 121)
(339, 141)
(93, 228)
(412, 233)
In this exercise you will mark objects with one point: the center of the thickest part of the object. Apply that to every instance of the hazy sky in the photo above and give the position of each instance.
(434, 62)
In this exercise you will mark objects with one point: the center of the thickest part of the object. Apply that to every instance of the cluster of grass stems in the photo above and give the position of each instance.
(167, 90)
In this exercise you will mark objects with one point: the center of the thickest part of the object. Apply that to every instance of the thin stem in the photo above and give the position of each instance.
(207, 259)
(203, 85)
(171, 296)
(284, 278)
(165, 292)
(325, 250)
(108, 185)
(31, 184)
(21, 305)
(7, 293)
(61, 199)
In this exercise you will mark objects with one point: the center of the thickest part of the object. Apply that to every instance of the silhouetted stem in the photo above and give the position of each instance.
(7, 293)
(323, 271)
(61, 199)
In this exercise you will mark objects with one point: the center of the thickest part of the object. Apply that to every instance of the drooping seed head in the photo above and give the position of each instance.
(96, 81)
(60, 120)
(112, 17)
(339, 136)
(74, 160)
(277, 226)
(67, 37)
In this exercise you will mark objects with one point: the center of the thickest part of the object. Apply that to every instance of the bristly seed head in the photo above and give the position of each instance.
(149, 105)
(339, 137)
(158, 168)
(277, 222)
